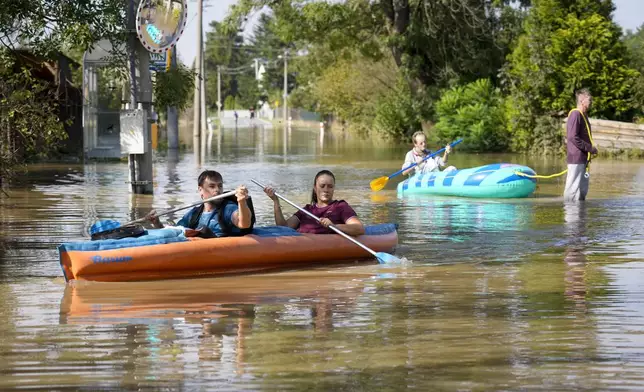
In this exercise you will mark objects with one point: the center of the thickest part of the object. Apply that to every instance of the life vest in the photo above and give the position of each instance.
(226, 228)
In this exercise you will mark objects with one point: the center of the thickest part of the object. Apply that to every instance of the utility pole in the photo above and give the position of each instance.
(285, 83)
(196, 131)
(173, 117)
(204, 113)
(256, 69)
(131, 25)
(140, 158)
(219, 94)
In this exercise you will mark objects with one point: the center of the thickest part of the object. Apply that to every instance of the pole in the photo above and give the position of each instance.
(256, 69)
(131, 24)
(196, 131)
(219, 94)
(204, 113)
(173, 117)
(285, 83)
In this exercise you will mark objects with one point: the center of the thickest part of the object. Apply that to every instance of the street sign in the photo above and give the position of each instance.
(158, 60)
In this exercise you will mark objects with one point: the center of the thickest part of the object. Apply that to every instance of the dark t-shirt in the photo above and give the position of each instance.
(339, 211)
(577, 140)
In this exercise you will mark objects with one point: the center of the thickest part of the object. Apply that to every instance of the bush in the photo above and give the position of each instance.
(474, 112)
(549, 136)
(398, 113)
(174, 87)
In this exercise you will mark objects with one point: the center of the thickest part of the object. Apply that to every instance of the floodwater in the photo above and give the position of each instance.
(529, 294)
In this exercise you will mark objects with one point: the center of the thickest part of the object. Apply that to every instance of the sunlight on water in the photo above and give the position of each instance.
(488, 295)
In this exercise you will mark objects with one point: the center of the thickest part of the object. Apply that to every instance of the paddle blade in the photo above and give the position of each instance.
(378, 183)
(386, 258)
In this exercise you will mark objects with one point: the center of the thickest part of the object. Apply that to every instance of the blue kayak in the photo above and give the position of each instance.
(498, 180)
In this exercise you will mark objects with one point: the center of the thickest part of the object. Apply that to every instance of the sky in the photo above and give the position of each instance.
(629, 14)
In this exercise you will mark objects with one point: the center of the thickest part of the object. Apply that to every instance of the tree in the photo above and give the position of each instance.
(434, 44)
(29, 125)
(634, 41)
(29, 121)
(174, 88)
(434, 41)
(268, 48)
(566, 45)
(227, 50)
(351, 88)
(474, 112)
(47, 27)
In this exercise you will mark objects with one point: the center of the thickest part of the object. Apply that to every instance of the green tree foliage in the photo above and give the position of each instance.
(47, 27)
(351, 88)
(268, 47)
(29, 120)
(433, 41)
(29, 125)
(635, 43)
(400, 113)
(474, 112)
(433, 44)
(236, 61)
(566, 45)
(174, 88)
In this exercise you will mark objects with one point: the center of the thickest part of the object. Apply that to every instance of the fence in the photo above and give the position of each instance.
(617, 135)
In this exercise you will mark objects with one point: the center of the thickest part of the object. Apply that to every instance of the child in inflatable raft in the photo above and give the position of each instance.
(419, 152)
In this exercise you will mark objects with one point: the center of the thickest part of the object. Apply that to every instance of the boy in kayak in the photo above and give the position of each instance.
(330, 211)
(419, 152)
(225, 217)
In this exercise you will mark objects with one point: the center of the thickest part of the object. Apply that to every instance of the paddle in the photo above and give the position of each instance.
(101, 227)
(383, 258)
(380, 182)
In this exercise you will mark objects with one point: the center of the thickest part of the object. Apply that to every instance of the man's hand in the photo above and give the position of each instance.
(154, 219)
(242, 193)
(594, 151)
(448, 149)
(191, 232)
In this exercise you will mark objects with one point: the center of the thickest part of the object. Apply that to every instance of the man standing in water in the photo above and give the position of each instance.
(579, 144)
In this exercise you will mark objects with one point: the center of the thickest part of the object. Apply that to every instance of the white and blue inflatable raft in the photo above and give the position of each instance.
(498, 180)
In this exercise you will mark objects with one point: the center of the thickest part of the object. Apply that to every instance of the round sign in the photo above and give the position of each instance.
(160, 23)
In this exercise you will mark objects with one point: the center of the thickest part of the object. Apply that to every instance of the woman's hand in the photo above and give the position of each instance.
(242, 193)
(448, 149)
(270, 192)
(326, 222)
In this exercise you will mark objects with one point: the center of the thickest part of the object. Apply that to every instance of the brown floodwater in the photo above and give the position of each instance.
(529, 294)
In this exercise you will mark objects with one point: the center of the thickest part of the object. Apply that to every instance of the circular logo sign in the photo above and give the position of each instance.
(160, 23)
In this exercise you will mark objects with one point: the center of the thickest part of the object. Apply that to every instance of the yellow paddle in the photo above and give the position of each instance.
(379, 183)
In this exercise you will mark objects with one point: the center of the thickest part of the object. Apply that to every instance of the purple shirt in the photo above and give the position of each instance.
(339, 212)
(577, 139)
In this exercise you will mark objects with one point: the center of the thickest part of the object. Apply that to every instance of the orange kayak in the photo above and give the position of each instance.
(167, 254)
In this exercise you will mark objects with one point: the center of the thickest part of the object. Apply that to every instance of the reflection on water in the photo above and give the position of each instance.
(502, 295)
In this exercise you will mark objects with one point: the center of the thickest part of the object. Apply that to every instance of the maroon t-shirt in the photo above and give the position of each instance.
(339, 211)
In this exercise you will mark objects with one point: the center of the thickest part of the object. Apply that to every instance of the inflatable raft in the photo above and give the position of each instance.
(167, 254)
(499, 180)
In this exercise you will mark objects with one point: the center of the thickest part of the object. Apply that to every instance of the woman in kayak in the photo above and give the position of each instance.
(331, 212)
